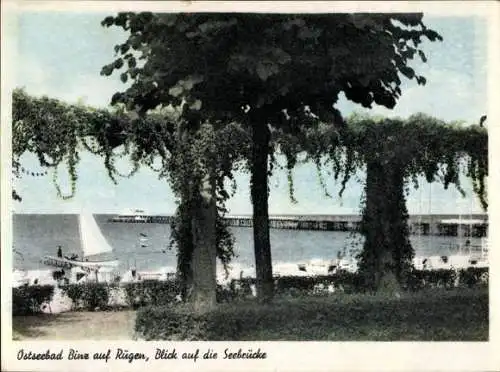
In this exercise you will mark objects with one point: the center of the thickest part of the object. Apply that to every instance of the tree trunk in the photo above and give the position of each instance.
(260, 196)
(184, 236)
(204, 276)
(387, 252)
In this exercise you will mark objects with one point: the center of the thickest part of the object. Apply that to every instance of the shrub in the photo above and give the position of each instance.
(88, 296)
(299, 285)
(27, 300)
(180, 323)
(474, 276)
(168, 322)
(421, 279)
(152, 292)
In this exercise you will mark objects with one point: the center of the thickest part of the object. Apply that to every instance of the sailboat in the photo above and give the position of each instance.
(93, 244)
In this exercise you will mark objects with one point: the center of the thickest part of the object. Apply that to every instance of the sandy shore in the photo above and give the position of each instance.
(99, 325)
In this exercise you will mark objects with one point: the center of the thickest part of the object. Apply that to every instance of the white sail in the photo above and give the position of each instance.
(93, 242)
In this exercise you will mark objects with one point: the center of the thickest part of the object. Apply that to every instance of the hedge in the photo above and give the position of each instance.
(420, 279)
(99, 296)
(151, 292)
(88, 296)
(28, 300)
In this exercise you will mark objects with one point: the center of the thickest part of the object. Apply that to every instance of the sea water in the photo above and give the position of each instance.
(146, 246)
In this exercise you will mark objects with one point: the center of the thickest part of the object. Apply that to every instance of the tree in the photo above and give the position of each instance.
(190, 159)
(394, 153)
(265, 70)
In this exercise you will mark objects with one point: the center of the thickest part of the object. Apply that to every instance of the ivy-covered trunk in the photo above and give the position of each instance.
(260, 196)
(194, 229)
(203, 264)
(182, 228)
(387, 253)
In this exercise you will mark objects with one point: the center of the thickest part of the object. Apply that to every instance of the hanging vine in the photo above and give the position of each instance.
(177, 150)
(394, 153)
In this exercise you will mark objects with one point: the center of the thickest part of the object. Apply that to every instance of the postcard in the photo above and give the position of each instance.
(254, 185)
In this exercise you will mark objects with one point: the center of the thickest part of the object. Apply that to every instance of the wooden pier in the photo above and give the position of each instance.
(475, 225)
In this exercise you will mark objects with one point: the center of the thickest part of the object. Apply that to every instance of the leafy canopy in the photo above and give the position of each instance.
(420, 145)
(223, 65)
(57, 132)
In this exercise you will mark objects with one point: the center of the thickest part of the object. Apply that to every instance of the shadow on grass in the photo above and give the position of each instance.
(35, 326)
(30, 326)
(95, 325)
(432, 315)
(435, 315)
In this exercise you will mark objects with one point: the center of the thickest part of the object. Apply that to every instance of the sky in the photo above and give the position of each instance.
(60, 54)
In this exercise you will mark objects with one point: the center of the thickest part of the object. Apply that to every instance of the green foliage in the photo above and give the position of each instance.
(311, 285)
(474, 276)
(394, 153)
(178, 323)
(98, 296)
(429, 315)
(424, 279)
(285, 76)
(438, 151)
(278, 61)
(57, 132)
(27, 300)
(387, 252)
(88, 296)
(151, 292)
(210, 148)
(346, 282)
(279, 70)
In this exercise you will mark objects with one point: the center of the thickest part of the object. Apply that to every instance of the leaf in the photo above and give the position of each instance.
(299, 22)
(107, 70)
(196, 105)
(364, 80)
(133, 72)
(192, 34)
(306, 33)
(132, 62)
(108, 21)
(265, 69)
(407, 71)
(124, 48)
(124, 77)
(433, 35)
(422, 56)
(284, 90)
(176, 90)
(421, 80)
(118, 63)
(281, 56)
(117, 97)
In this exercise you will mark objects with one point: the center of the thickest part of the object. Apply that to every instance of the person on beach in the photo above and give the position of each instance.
(73, 257)
(59, 251)
(467, 244)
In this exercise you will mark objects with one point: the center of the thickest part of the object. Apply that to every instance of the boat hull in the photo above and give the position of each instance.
(68, 264)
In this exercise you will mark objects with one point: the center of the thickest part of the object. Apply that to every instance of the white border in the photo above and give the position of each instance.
(290, 356)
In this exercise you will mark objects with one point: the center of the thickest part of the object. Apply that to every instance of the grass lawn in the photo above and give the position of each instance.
(431, 315)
